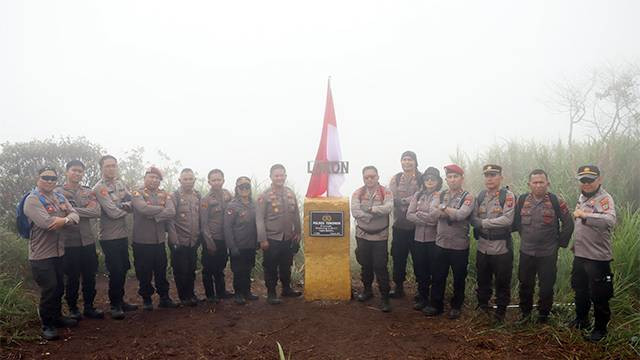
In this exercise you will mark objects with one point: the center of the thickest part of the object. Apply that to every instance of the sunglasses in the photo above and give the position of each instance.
(587, 180)
(49, 178)
(244, 187)
(430, 178)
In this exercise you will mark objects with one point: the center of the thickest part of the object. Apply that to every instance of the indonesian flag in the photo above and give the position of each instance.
(329, 150)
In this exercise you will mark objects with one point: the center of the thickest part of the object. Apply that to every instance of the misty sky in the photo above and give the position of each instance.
(240, 85)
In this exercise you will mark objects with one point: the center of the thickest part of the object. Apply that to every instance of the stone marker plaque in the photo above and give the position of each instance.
(326, 223)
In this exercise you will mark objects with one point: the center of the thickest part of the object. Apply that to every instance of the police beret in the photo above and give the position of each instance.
(453, 168)
(154, 170)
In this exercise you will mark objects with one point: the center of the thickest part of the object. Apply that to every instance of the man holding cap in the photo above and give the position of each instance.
(152, 211)
(492, 219)
(591, 277)
(452, 243)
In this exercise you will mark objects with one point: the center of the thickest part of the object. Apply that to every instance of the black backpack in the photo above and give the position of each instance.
(517, 220)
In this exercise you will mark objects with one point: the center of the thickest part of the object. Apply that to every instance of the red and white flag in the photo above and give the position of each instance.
(325, 184)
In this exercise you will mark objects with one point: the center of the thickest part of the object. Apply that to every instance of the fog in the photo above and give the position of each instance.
(240, 85)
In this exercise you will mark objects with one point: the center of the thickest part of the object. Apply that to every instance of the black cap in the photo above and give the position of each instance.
(588, 172)
(410, 154)
(492, 168)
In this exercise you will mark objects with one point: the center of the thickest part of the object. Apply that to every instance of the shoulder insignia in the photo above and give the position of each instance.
(605, 203)
(467, 200)
(509, 201)
(229, 211)
(104, 191)
(135, 193)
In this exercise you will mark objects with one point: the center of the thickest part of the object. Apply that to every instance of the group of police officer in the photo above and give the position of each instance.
(433, 226)
(62, 245)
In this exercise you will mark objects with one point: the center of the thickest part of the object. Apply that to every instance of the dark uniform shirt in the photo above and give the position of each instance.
(277, 215)
(184, 229)
(152, 211)
(539, 234)
(240, 230)
(44, 244)
(83, 200)
(593, 235)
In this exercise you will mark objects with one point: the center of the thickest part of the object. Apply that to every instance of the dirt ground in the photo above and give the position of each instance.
(306, 330)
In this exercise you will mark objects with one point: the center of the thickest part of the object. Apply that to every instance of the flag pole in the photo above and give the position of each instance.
(328, 175)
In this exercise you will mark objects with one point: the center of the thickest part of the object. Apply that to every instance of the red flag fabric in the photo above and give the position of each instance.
(325, 184)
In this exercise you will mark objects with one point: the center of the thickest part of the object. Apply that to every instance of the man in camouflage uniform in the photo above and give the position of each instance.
(591, 277)
(278, 225)
(80, 258)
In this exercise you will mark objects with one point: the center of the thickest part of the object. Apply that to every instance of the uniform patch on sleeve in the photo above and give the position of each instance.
(604, 203)
(229, 212)
(104, 191)
(467, 200)
(135, 193)
(509, 201)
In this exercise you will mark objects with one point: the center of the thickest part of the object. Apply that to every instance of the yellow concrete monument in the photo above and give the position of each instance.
(327, 273)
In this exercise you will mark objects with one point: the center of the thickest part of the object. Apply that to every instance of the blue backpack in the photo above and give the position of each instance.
(22, 221)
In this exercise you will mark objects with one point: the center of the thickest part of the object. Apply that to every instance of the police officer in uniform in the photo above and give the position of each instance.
(492, 220)
(214, 249)
(278, 226)
(423, 214)
(49, 212)
(371, 206)
(80, 258)
(241, 237)
(452, 243)
(544, 223)
(184, 237)
(403, 185)
(115, 204)
(152, 211)
(591, 277)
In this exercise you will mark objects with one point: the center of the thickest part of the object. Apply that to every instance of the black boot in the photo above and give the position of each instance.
(251, 296)
(421, 303)
(580, 323)
(431, 311)
(49, 332)
(147, 304)
(167, 303)
(597, 335)
(129, 307)
(272, 298)
(65, 321)
(385, 306)
(500, 314)
(287, 291)
(365, 295)
(116, 312)
(239, 299)
(75, 314)
(93, 313)
(454, 314)
(397, 292)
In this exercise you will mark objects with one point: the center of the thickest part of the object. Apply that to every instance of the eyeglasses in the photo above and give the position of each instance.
(244, 186)
(49, 178)
(587, 180)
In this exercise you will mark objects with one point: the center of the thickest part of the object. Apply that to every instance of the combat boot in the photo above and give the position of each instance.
(49, 332)
(580, 323)
(500, 314)
(397, 292)
(597, 335)
(272, 298)
(431, 311)
(289, 292)
(454, 314)
(167, 303)
(117, 313)
(129, 307)
(421, 303)
(365, 295)
(93, 313)
(239, 299)
(385, 306)
(65, 321)
(251, 296)
(147, 304)
(75, 314)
